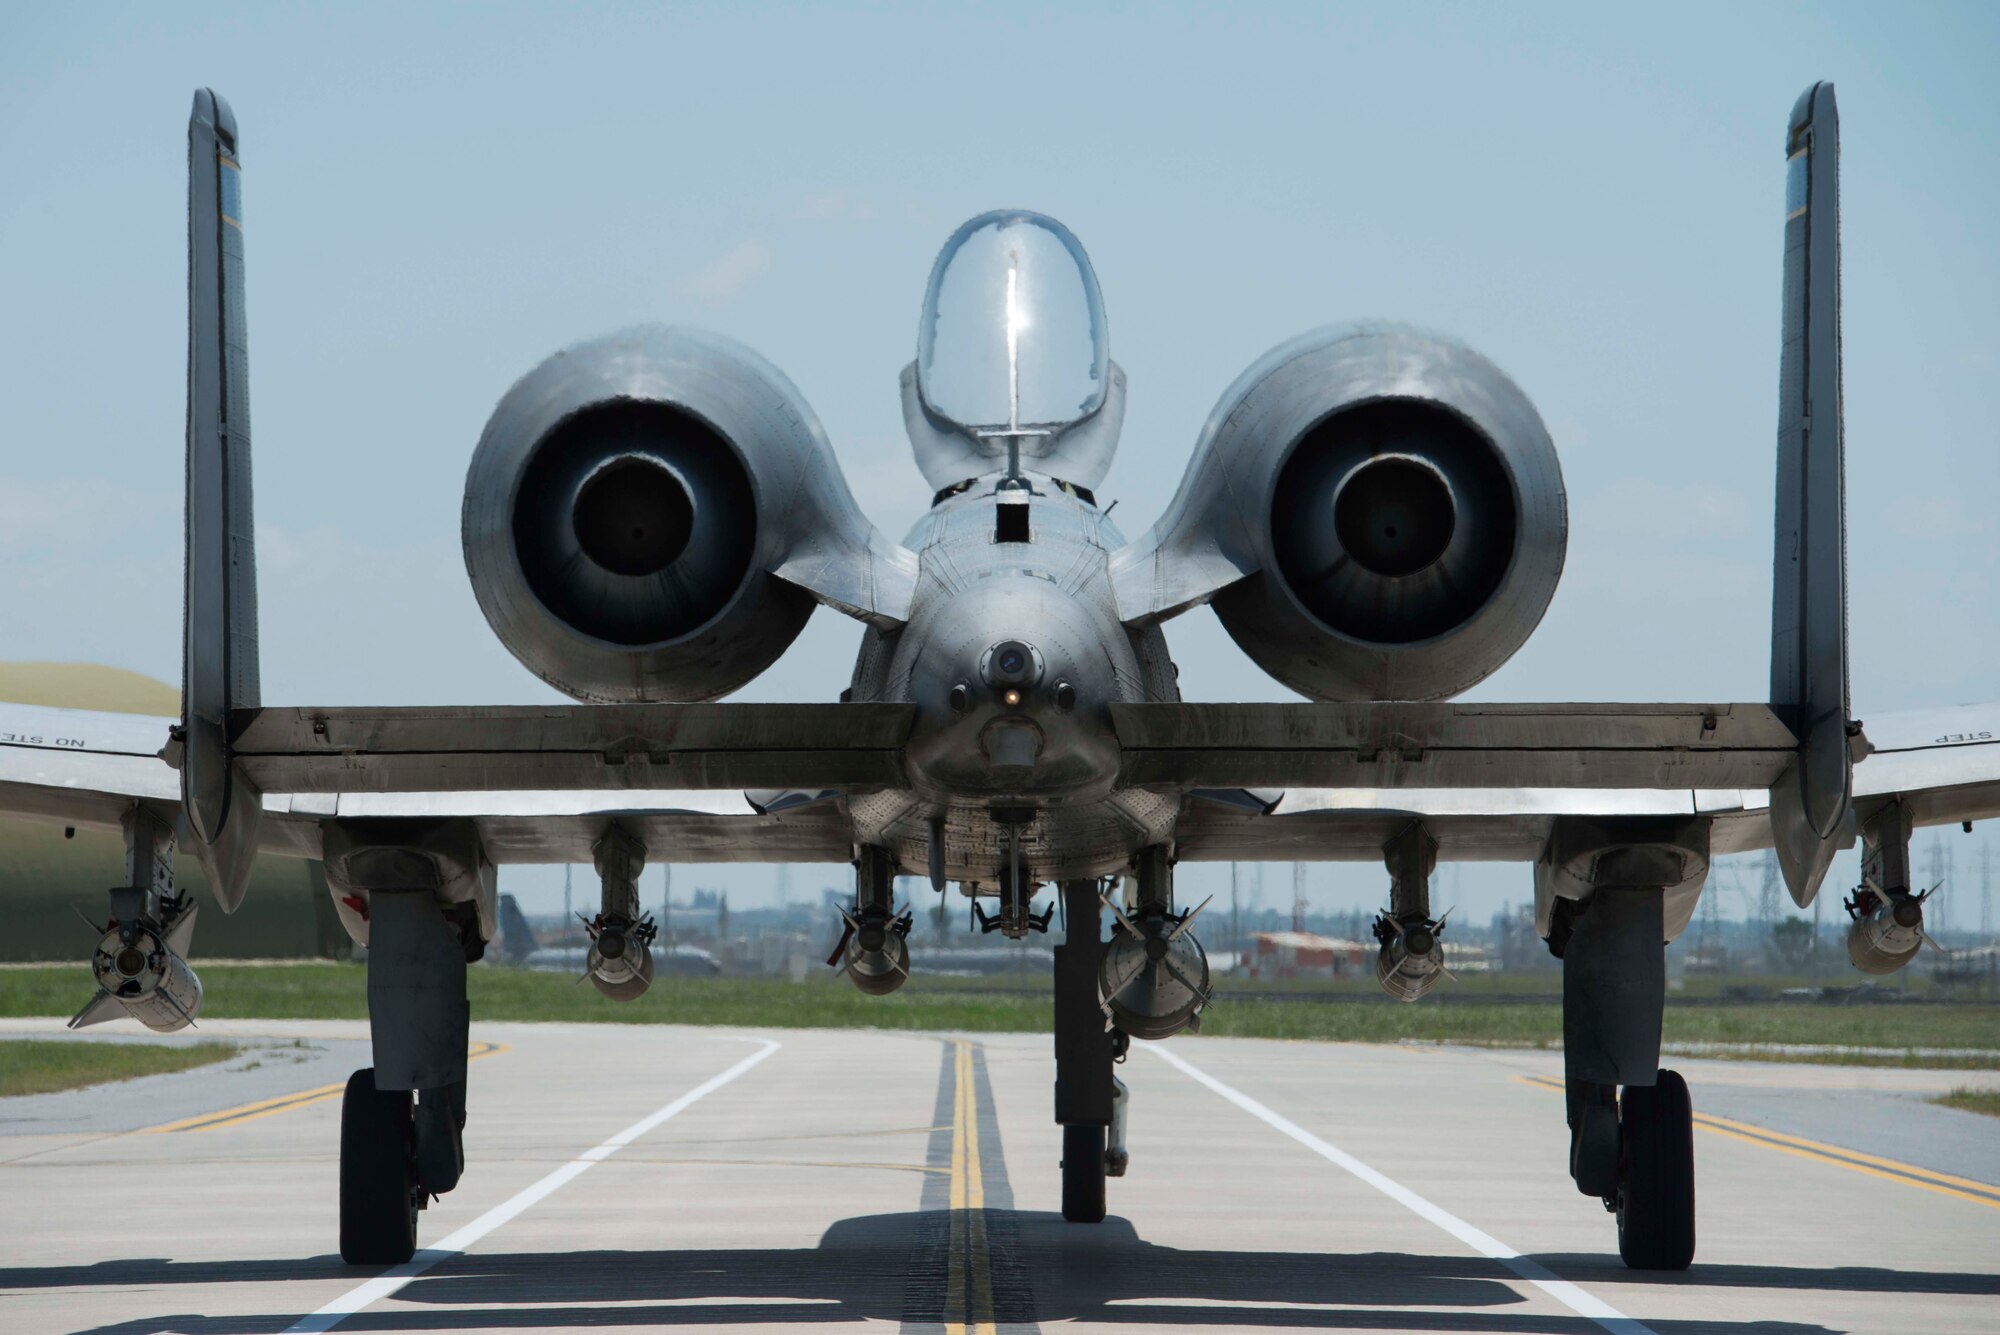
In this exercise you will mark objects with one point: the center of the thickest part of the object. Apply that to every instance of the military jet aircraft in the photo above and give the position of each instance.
(1375, 513)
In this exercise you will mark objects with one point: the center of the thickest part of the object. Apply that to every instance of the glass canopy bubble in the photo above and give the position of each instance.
(1012, 339)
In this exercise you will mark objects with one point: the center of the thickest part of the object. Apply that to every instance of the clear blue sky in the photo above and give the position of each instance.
(438, 196)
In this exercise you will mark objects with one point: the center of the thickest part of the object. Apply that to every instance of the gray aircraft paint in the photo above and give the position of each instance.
(1087, 603)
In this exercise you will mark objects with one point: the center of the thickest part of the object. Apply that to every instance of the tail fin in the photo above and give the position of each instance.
(517, 938)
(219, 671)
(1810, 803)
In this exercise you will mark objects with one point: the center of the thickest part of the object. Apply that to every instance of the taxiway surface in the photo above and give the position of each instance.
(746, 1180)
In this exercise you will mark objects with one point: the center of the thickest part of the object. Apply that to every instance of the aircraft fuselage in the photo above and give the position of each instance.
(1012, 654)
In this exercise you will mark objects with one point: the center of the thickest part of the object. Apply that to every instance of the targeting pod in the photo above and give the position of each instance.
(141, 971)
(620, 961)
(1154, 975)
(1412, 956)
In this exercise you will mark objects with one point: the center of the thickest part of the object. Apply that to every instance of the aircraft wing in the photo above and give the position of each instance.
(77, 767)
(1944, 764)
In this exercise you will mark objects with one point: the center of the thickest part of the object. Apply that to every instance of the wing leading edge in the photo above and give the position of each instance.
(1943, 765)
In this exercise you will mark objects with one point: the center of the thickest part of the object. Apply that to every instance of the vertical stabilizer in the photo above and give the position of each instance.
(219, 671)
(1810, 803)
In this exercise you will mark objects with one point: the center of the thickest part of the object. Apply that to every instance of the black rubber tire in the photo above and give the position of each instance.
(378, 1184)
(1083, 1174)
(1656, 1176)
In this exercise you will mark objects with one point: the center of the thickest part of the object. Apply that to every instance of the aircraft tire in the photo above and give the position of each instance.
(378, 1185)
(1083, 1174)
(1656, 1176)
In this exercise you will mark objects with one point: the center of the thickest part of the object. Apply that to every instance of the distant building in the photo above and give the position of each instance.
(1306, 955)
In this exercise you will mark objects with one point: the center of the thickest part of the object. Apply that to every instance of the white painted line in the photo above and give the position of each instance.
(389, 1281)
(1569, 1295)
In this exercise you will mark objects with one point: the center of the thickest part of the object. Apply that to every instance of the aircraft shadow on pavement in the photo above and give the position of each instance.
(894, 1267)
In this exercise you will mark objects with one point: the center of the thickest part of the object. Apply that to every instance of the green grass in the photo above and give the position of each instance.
(43, 1066)
(1022, 1004)
(1972, 1100)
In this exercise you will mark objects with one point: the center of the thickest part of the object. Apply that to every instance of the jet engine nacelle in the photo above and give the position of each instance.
(1400, 504)
(630, 505)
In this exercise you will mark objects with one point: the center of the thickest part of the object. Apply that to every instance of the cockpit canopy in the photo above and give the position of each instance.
(1011, 348)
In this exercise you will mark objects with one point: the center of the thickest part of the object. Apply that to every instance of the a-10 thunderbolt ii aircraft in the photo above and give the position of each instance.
(1376, 514)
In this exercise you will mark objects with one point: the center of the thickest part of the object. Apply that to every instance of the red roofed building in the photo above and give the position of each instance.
(1306, 955)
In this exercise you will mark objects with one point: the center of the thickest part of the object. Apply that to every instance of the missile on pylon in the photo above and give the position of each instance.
(620, 960)
(142, 971)
(1887, 931)
(1412, 956)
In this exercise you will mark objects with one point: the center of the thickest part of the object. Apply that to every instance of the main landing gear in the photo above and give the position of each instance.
(402, 1119)
(1631, 1122)
(397, 1151)
(379, 1195)
(1655, 1197)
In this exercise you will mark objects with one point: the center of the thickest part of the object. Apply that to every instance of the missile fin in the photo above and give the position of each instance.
(182, 936)
(97, 1010)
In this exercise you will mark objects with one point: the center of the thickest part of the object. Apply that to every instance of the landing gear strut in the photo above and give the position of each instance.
(402, 1119)
(1085, 1049)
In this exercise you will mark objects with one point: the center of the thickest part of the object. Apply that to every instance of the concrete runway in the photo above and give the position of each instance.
(730, 1179)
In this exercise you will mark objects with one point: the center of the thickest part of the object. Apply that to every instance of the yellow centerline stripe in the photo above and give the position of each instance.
(1888, 1170)
(954, 1289)
(250, 1112)
(968, 1207)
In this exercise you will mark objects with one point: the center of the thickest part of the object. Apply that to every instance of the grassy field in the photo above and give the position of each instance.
(1972, 1100)
(338, 991)
(42, 1066)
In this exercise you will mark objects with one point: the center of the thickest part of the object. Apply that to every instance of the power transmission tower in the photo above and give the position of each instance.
(1940, 868)
(1236, 909)
(1954, 908)
(1705, 943)
(1812, 959)
(1298, 896)
(1767, 897)
(1985, 894)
